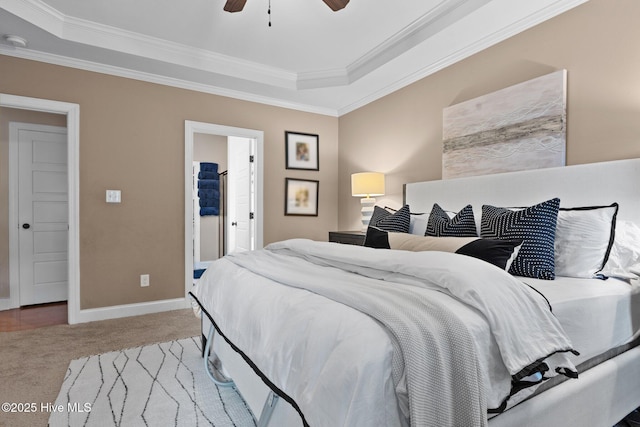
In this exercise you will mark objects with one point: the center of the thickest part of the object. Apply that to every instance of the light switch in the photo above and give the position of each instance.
(113, 196)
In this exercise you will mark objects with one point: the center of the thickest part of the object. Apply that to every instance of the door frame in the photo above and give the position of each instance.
(72, 111)
(14, 220)
(190, 129)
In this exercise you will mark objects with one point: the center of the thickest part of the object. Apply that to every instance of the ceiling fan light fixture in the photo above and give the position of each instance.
(234, 5)
(336, 5)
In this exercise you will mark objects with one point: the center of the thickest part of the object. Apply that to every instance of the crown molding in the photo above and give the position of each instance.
(107, 37)
(162, 80)
(37, 13)
(517, 27)
(405, 39)
(362, 76)
(412, 35)
(103, 36)
(322, 79)
(116, 39)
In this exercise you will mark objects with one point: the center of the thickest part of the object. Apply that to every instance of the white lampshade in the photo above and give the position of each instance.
(367, 184)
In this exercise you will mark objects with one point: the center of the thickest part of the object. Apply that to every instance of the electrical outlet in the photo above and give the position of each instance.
(144, 280)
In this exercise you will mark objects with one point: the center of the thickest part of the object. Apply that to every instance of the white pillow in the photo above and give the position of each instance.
(418, 224)
(624, 259)
(584, 237)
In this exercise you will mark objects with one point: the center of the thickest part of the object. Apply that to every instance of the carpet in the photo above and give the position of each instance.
(155, 385)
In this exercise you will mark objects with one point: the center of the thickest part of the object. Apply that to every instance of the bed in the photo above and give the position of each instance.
(332, 364)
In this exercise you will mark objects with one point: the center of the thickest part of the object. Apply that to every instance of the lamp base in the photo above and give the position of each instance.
(367, 204)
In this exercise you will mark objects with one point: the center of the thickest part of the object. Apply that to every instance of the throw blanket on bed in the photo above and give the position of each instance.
(434, 352)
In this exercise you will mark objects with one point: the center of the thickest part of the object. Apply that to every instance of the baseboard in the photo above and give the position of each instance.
(8, 304)
(126, 310)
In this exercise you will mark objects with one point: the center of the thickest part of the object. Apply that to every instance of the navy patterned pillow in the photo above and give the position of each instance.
(463, 224)
(397, 221)
(378, 214)
(535, 226)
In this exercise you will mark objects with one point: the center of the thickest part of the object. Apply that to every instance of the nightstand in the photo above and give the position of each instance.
(347, 237)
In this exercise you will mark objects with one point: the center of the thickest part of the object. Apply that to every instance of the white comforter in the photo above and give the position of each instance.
(344, 359)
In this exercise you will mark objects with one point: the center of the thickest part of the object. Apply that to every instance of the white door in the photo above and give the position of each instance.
(42, 214)
(240, 197)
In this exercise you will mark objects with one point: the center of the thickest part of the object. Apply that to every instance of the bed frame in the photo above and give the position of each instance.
(602, 395)
(605, 394)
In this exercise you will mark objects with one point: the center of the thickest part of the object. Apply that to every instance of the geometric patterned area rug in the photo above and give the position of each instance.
(155, 385)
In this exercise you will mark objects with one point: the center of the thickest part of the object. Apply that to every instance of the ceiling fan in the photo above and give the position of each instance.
(238, 5)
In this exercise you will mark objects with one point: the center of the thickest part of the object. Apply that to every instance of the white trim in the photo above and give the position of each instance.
(7, 304)
(444, 14)
(126, 310)
(468, 50)
(318, 79)
(92, 33)
(14, 267)
(95, 34)
(191, 128)
(72, 112)
(402, 41)
(196, 218)
(405, 42)
(112, 70)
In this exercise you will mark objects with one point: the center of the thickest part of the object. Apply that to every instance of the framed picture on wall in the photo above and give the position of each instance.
(301, 150)
(301, 197)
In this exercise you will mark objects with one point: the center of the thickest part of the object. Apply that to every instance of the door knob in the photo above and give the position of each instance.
(233, 224)
(26, 226)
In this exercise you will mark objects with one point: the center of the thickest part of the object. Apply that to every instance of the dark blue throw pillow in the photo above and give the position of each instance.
(378, 214)
(397, 221)
(463, 224)
(535, 226)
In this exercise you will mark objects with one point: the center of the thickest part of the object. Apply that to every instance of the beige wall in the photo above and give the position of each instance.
(132, 139)
(598, 43)
(132, 135)
(8, 115)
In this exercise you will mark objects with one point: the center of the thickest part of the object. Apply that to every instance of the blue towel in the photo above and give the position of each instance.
(209, 167)
(209, 211)
(209, 193)
(208, 175)
(198, 273)
(211, 184)
(209, 203)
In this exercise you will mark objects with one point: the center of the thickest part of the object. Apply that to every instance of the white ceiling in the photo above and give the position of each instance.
(310, 58)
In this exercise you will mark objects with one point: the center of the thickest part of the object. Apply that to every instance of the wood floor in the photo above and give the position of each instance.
(34, 316)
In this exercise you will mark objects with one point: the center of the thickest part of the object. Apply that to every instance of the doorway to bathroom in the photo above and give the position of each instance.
(223, 193)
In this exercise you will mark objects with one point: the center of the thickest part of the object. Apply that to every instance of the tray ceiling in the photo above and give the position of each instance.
(310, 58)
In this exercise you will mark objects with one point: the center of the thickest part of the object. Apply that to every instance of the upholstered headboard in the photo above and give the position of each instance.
(579, 185)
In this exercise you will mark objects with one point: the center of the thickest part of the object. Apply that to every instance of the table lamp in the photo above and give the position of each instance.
(366, 185)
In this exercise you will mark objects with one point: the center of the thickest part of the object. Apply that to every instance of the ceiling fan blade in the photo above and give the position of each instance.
(234, 5)
(336, 5)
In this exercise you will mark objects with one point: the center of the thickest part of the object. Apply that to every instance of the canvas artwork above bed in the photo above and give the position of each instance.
(516, 128)
(496, 300)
